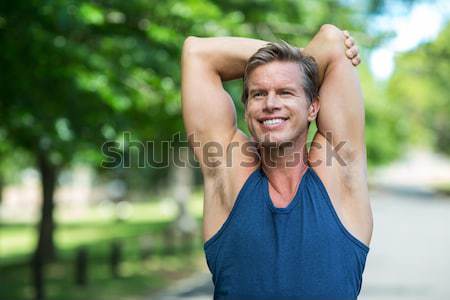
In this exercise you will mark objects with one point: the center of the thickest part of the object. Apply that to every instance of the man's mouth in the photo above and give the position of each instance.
(272, 122)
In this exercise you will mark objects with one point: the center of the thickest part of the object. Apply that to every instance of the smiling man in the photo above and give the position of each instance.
(280, 222)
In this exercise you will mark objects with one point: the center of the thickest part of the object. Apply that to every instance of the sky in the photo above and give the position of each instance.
(412, 26)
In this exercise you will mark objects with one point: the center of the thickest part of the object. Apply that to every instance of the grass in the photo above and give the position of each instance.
(98, 223)
(138, 277)
(96, 231)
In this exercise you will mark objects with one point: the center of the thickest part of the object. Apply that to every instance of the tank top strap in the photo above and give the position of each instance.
(325, 203)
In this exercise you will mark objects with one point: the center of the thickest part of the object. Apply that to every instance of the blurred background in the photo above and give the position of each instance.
(91, 203)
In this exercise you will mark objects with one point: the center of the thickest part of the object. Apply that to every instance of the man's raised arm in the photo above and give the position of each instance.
(341, 115)
(208, 110)
(341, 123)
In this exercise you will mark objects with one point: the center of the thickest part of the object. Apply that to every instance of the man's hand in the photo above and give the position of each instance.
(352, 51)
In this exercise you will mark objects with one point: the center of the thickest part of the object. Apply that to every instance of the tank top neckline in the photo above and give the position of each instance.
(294, 201)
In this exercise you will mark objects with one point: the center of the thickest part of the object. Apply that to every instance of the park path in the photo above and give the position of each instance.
(409, 256)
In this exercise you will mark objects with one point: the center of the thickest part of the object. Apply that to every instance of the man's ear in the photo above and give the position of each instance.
(313, 109)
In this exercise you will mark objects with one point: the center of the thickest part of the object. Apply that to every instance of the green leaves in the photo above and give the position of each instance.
(163, 35)
(91, 14)
(420, 85)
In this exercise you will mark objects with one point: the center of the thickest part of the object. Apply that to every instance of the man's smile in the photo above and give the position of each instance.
(271, 123)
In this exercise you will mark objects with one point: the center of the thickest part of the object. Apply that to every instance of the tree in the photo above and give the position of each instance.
(69, 83)
(420, 85)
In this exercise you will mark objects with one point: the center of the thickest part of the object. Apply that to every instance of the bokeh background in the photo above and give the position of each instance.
(78, 75)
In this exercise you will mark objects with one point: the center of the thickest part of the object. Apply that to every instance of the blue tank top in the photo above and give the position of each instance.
(302, 251)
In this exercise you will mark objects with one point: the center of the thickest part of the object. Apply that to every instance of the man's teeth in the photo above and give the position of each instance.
(273, 121)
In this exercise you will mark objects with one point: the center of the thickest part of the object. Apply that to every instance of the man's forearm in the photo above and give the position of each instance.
(227, 56)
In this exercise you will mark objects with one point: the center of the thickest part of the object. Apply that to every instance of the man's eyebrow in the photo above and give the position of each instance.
(289, 89)
(253, 90)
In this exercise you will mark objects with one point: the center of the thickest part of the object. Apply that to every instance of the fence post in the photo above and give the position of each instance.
(81, 267)
(116, 257)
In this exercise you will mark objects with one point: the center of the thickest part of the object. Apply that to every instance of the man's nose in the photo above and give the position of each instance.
(272, 102)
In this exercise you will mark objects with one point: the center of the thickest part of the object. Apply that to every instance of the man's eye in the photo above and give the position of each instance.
(286, 93)
(257, 94)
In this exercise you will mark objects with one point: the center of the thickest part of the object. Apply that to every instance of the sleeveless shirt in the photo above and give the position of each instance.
(302, 251)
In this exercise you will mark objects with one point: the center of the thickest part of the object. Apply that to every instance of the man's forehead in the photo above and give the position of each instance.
(278, 74)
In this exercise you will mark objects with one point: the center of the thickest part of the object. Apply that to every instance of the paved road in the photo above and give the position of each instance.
(409, 256)
(410, 251)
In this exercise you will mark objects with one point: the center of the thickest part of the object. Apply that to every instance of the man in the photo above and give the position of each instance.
(276, 225)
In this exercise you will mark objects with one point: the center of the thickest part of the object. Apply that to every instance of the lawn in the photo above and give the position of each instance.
(149, 259)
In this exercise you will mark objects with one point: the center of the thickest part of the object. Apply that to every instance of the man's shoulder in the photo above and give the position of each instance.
(238, 160)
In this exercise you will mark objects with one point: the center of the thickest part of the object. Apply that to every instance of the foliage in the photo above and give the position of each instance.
(386, 129)
(420, 87)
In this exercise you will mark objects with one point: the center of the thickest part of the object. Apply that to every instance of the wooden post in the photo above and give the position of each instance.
(81, 267)
(116, 257)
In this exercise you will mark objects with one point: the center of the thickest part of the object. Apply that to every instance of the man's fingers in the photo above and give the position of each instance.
(352, 52)
(356, 61)
(349, 42)
(349, 53)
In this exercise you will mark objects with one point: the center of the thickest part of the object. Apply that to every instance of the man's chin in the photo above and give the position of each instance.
(272, 141)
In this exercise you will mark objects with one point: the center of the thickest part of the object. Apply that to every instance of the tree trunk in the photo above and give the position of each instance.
(46, 247)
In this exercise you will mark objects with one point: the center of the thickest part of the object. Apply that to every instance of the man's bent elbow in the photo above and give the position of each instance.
(191, 46)
(331, 33)
(333, 38)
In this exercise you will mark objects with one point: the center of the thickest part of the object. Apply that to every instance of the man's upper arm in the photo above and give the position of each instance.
(208, 110)
(341, 115)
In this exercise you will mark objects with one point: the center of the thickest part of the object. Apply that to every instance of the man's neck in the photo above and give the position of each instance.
(285, 166)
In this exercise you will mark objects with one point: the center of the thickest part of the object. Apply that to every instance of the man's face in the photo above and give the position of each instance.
(277, 108)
